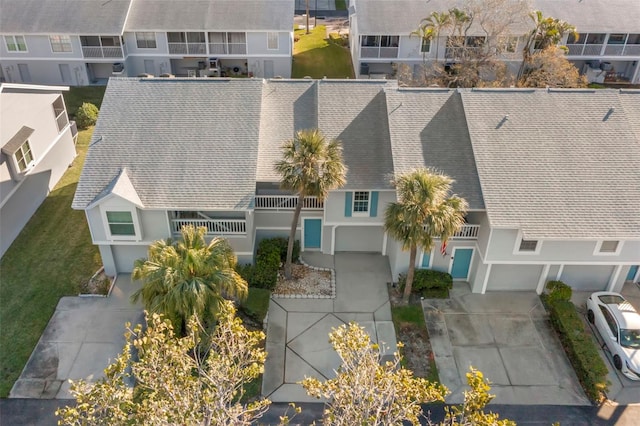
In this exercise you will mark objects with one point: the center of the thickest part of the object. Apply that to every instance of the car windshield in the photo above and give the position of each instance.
(611, 299)
(630, 338)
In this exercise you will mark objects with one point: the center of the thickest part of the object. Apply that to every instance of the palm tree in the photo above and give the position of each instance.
(546, 32)
(424, 211)
(188, 277)
(431, 26)
(310, 166)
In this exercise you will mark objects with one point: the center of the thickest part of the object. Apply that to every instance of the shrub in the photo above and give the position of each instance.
(558, 291)
(338, 39)
(429, 283)
(280, 244)
(580, 347)
(246, 271)
(86, 115)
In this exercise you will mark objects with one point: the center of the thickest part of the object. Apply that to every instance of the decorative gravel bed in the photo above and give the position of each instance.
(306, 282)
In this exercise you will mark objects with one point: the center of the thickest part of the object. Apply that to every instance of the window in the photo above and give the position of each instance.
(23, 155)
(595, 38)
(61, 114)
(633, 39)
(60, 44)
(511, 44)
(146, 40)
(617, 38)
(272, 41)
(425, 47)
(528, 245)
(475, 41)
(370, 41)
(360, 202)
(15, 43)
(389, 41)
(121, 223)
(611, 322)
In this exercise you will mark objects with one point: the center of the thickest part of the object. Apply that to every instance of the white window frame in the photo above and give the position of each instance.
(511, 44)
(597, 252)
(353, 205)
(519, 240)
(271, 38)
(16, 44)
(134, 217)
(22, 152)
(62, 41)
(146, 40)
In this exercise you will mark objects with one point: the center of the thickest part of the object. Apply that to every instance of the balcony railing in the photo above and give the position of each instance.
(286, 202)
(214, 226)
(188, 48)
(379, 52)
(102, 52)
(468, 232)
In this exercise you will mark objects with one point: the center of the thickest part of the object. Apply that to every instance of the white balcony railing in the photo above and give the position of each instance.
(188, 48)
(378, 52)
(468, 232)
(214, 226)
(286, 202)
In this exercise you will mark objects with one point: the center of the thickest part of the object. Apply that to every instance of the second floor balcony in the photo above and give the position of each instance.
(604, 45)
(286, 202)
(109, 47)
(379, 46)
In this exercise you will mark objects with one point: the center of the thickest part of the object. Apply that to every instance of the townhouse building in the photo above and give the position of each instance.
(84, 42)
(552, 194)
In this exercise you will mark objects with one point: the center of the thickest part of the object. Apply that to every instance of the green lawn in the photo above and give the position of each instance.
(314, 56)
(48, 260)
(77, 95)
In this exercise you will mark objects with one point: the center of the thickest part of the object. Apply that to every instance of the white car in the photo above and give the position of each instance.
(619, 325)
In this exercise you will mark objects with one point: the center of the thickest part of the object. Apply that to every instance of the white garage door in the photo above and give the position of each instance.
(359, 238)
(514, 277)
(124, 257)
(587, 277)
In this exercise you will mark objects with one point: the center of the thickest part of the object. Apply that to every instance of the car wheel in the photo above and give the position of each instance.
(590, 316)
(617, 362)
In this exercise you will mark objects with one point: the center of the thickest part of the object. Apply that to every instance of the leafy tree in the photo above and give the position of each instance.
(471, 413)
(549, 67)
(175, 384)
(431, 27)
(310, 166)
(86, 115)
(188, 277)
(365, 392)
(424, 211)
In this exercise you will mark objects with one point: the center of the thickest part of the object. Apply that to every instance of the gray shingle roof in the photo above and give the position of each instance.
(630, 100)
(82, 17)
(356, 115)
(428, 129)
(219, 15)
(403, 16)
(559, 166)
(287, 106)
(186, 144)
(595, 15)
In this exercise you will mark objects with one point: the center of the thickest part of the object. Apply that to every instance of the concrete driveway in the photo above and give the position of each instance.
(298, 329)
(83, 336)
(621, 389)
(507, 336)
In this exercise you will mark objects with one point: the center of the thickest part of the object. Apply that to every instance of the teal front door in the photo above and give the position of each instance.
(632, 273)
(461, 263)
(312, 233)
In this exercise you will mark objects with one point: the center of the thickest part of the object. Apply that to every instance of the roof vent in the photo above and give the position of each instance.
(504, 120)
(608, 114)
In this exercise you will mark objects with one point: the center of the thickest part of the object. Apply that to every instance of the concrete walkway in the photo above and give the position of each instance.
(507, 336)
(298, 329)
(83, 336)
